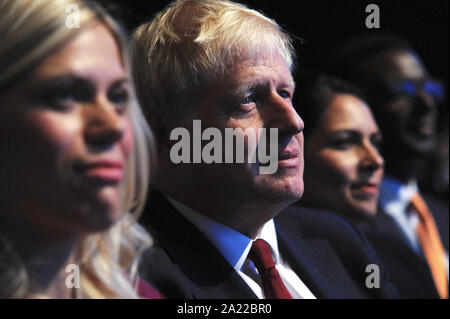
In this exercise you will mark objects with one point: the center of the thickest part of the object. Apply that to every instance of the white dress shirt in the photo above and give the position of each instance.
(235, 247)
(395, 198)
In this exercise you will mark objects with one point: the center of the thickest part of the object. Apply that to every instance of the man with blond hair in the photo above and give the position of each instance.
(217, 224)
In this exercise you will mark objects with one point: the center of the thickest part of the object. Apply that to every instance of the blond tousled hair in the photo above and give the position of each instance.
(190, 43)
(30, 31)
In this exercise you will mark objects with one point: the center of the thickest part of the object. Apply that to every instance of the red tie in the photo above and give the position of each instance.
(273, 286)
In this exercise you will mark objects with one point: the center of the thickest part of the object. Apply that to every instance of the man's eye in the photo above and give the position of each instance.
(249, 99)
(435, 89)
(284, 94)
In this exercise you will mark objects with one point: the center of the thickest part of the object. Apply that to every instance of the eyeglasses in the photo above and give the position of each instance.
(410, 88)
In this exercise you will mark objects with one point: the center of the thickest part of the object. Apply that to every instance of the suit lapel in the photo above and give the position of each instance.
(386, 225)
(317, 265)
(384, 234)
(208, 274)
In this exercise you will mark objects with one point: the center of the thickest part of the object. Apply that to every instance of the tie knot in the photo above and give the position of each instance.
(273, 286)
(261, 255)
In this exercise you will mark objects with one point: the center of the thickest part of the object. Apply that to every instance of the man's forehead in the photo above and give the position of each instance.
(396, 65)
(260, 71)
(243, 76)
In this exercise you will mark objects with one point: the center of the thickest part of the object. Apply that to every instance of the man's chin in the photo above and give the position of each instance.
(285, 191)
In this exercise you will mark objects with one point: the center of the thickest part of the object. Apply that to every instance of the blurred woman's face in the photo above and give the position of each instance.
(65, 139)
(343, 166)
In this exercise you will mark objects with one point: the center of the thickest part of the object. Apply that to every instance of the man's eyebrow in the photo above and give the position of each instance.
(288, 83)
(250, 85)
(245, 86)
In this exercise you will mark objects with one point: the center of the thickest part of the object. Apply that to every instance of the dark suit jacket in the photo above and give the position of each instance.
(328, 254)
(409, 271)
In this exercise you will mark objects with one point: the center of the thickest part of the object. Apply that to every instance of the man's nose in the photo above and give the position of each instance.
(104, 123)
(284, 117)
(425, 102)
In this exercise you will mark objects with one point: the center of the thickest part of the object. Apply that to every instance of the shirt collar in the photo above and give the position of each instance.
(229, 242)
(269, 234)
(395, 196)
(233, 245)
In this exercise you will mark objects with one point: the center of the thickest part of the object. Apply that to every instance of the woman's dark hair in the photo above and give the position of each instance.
(315, 92)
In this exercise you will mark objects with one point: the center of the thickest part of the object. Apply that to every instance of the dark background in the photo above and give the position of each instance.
(323, 23)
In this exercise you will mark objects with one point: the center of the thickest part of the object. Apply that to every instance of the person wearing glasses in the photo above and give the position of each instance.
(411, 230)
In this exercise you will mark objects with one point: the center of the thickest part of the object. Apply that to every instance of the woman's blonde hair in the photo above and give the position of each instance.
(192, 41)
(30, 31)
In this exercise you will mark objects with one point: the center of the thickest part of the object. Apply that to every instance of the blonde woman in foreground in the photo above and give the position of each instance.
(74, 161)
